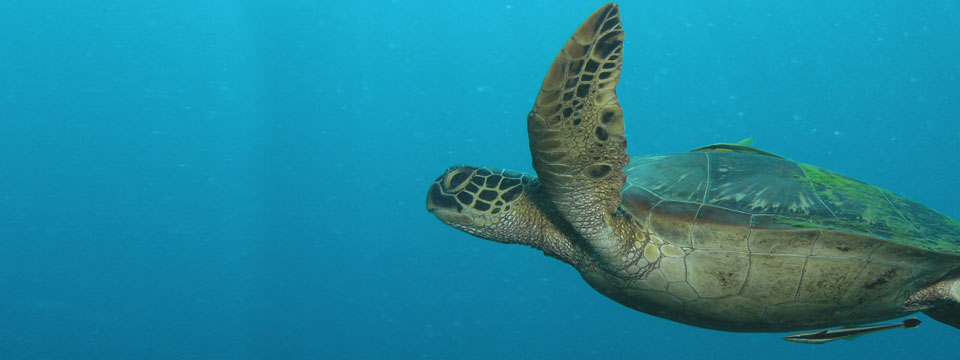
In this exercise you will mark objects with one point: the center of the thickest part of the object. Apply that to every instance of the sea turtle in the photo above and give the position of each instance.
(725, 237)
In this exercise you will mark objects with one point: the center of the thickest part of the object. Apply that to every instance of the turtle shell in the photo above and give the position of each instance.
(769, 192)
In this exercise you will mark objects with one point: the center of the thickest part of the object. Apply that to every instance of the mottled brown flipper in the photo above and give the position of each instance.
(576, 126)
(944, 296)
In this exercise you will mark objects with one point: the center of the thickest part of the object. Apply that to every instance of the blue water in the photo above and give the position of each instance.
(246, 179)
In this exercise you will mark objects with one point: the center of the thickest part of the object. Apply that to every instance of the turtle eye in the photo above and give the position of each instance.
(456, 180)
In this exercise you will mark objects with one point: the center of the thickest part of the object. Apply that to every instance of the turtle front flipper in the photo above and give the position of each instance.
(576, 126)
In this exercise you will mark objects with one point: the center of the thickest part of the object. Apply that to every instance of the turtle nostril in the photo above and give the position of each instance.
(437, 200)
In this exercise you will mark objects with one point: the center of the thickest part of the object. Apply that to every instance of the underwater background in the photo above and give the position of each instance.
(246, 179)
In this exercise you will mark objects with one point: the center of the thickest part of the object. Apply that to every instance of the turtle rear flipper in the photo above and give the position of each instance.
(576, 126)
(947, 313)
(942, 301)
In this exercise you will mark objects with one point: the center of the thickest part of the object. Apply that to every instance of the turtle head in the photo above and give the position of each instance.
(477, 199)
(500, 205)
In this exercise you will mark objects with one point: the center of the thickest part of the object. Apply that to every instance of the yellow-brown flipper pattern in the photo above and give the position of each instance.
(576, 126)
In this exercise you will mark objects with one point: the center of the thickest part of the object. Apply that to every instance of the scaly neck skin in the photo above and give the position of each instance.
(533, 221)
(545, 228)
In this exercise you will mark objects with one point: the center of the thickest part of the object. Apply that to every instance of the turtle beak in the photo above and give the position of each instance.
(445, 207)
(437, 200)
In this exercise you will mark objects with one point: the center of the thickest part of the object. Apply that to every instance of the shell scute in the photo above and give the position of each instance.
(690, 191)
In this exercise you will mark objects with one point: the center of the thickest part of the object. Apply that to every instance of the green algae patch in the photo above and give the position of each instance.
(864, 208)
